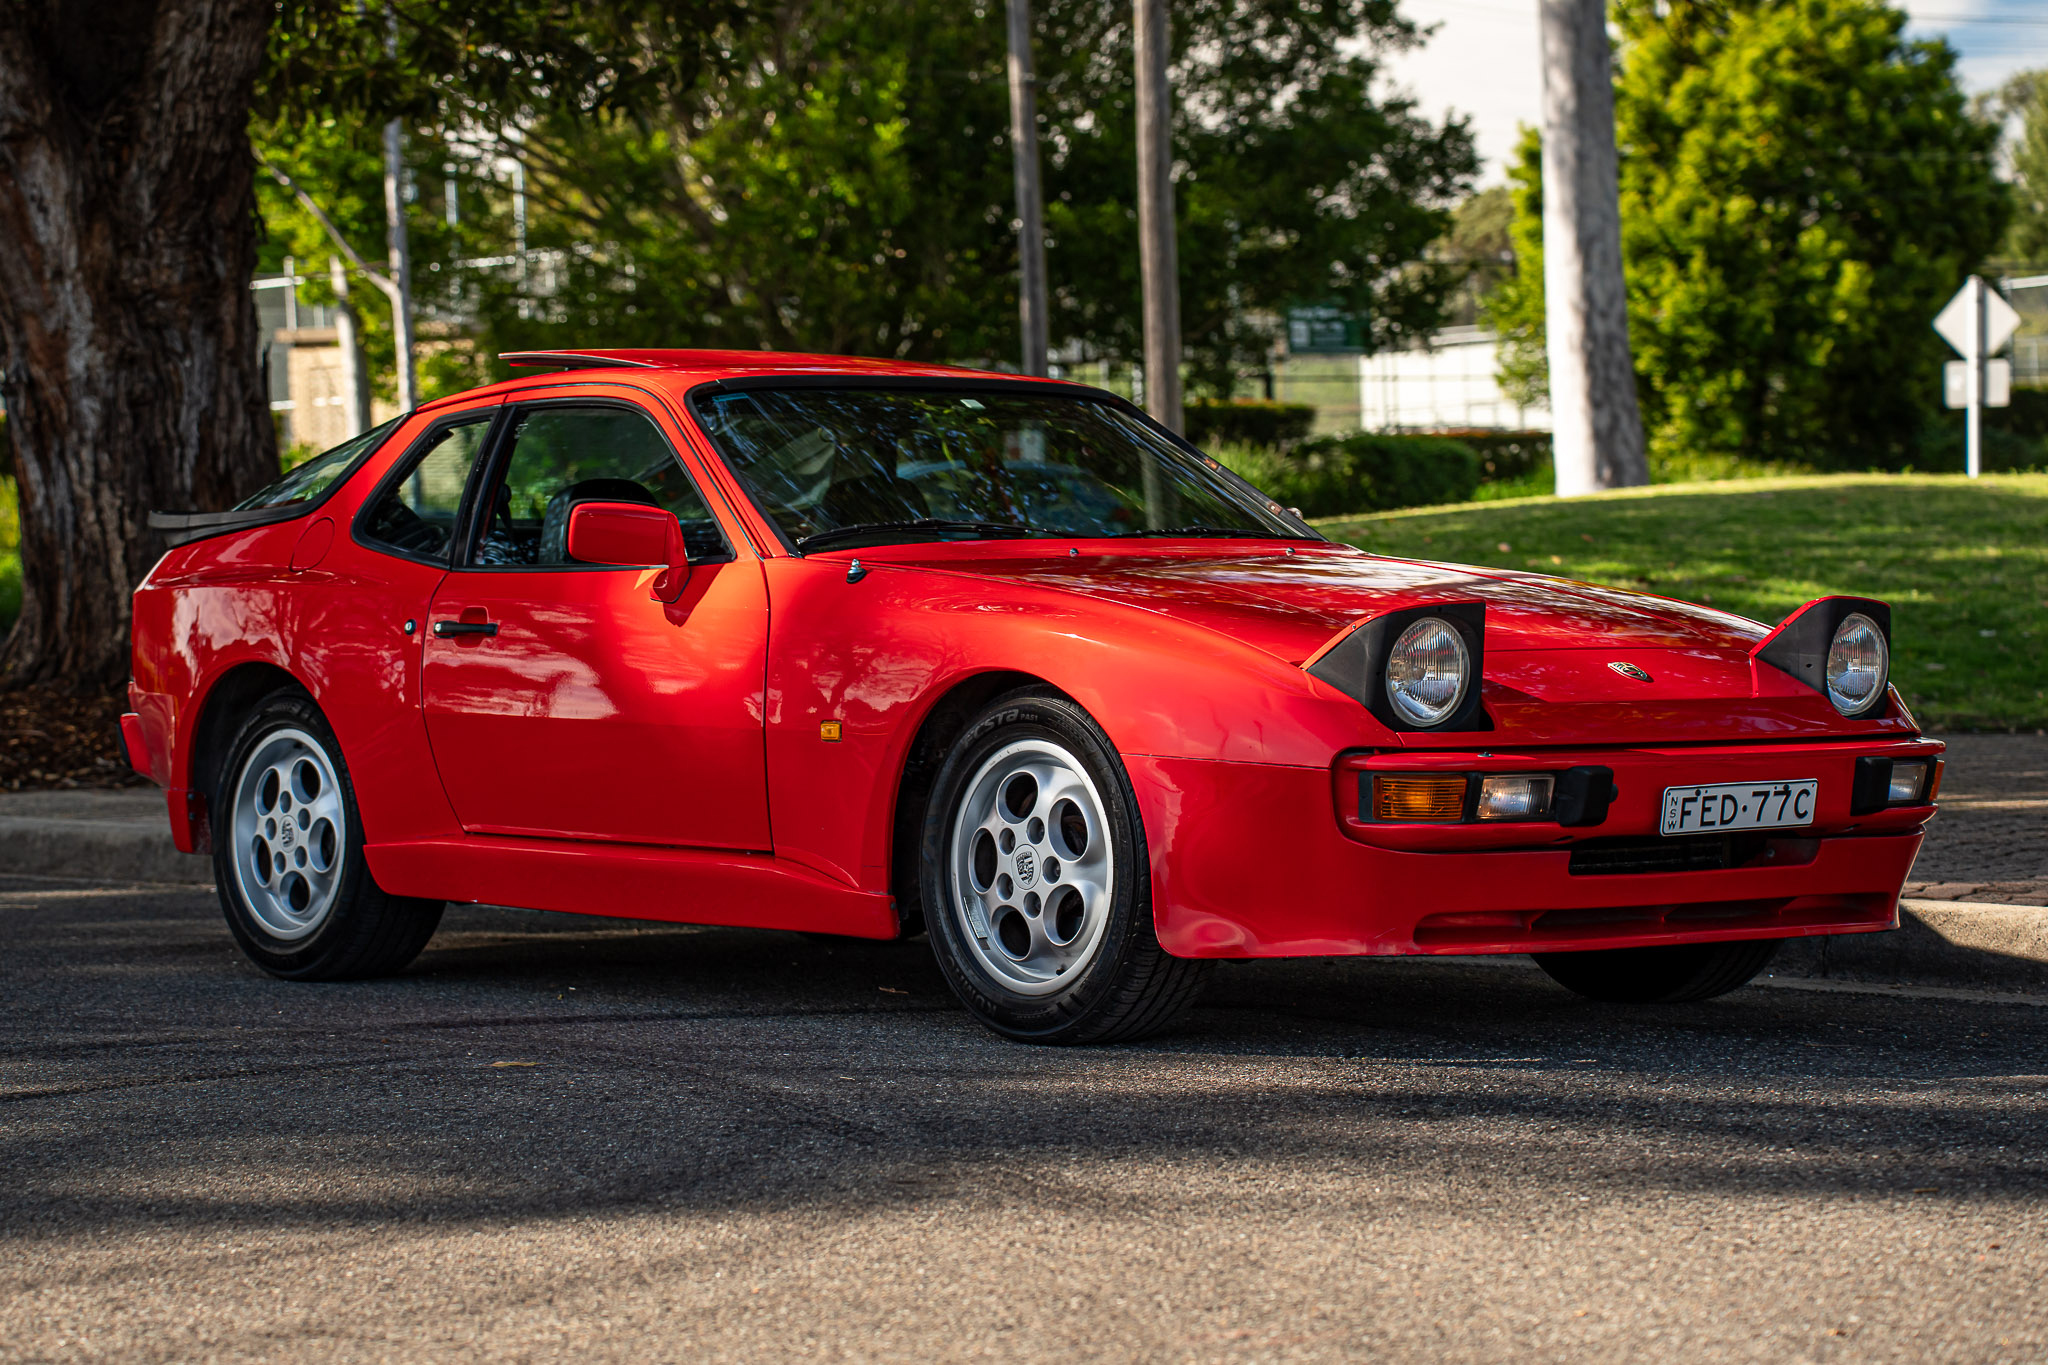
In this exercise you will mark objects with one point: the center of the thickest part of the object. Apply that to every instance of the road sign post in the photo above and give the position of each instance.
(1977, 322)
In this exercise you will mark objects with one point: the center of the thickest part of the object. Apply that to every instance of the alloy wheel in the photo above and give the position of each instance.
(290, 826)
(1031, 871)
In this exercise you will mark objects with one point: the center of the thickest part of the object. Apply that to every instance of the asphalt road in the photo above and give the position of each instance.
(561, 1138)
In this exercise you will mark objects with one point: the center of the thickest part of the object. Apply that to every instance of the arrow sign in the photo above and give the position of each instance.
(1957, 323)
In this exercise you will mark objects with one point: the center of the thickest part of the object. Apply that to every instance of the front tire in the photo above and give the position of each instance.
(1666, 975)
(1036, 882)
(288, 855)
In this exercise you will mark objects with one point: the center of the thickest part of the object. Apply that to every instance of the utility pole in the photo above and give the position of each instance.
(401, 262)
(1597, 431)
(355, 389)
(1156, 256)
(1031, 307)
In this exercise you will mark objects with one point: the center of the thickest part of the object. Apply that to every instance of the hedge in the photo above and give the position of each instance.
(1248, 422)
(1505, 456)
(1335, 475)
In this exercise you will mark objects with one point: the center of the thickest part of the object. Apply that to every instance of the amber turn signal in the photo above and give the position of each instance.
(1418, 796)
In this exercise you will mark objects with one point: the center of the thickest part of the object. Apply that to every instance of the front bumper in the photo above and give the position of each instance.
(1252, 860)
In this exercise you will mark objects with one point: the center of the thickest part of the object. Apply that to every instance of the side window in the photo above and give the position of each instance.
(416, 515)
(564, 456)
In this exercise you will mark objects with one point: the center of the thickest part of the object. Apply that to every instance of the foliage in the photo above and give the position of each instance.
(1249, 422)
(1802, 188)
(1514, 309)
(10, 554)
(846, 185)
(1505, 454)
(1964, 565)
(2024, 100)
(1480, 247)
(337, 69)
(1361, 472)
(490, 63)
(2014, 438)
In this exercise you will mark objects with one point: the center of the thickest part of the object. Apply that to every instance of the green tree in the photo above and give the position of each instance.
(2024, 100)
(1480, 246)
(847, 187)
(128, 234)
(1801, 190)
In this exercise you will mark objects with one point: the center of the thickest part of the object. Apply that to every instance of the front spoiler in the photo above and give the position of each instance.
(1254, 860)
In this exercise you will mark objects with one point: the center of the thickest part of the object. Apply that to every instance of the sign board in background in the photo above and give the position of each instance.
(1955, 384)
(1324, 331)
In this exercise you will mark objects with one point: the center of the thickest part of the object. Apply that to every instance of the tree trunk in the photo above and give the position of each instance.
(127, 240)
(1597, 431)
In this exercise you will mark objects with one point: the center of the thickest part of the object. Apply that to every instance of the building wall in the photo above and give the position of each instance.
(1448, 386)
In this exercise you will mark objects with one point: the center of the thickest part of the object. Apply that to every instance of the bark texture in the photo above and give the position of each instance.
(1597, 429)
(127, 240)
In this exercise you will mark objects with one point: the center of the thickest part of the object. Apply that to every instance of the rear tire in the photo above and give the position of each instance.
(1666, 975)
(1036, 882)
(288, 855)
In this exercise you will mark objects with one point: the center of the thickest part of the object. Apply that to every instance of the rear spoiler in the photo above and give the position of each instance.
(182, 528)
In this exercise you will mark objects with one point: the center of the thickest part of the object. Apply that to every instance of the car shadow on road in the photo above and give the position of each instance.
(535, 1065)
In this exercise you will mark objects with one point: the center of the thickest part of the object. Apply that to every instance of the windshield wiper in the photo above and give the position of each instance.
(1233, 532)
(919, 526)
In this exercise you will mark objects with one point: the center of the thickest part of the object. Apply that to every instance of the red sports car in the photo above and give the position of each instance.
(853, 647)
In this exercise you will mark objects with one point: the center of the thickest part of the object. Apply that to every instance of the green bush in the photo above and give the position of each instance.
(2015, 438)
(1505, 456)
(1248, 422)
(1334, 475)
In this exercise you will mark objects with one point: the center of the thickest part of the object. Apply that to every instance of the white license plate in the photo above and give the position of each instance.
(1739, 805)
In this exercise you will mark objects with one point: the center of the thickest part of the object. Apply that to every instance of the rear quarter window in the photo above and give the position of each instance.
(317, 476)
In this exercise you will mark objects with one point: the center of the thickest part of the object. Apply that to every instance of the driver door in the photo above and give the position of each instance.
(562, 700)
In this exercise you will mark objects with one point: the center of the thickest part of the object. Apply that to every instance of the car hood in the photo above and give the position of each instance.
(1292, 605)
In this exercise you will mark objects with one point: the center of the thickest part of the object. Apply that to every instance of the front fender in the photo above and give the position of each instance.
(873, 657)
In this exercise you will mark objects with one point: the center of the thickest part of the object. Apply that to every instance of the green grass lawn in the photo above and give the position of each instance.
(1964, 565)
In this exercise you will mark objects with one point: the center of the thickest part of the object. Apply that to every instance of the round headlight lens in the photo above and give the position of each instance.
(1857, 664)
(1428, 672)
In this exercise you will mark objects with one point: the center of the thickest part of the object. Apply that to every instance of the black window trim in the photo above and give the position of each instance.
(183, 528)
(498, 455)
(970, 384)
(401, 469)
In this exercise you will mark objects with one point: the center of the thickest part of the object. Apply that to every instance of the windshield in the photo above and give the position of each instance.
(835, 467)
(317, 475)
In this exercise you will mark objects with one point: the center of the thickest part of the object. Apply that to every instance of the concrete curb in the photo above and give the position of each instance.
(1937, 943)
(123, 836)
(106, 835)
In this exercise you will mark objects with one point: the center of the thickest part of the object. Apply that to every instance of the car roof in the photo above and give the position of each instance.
(700, 366)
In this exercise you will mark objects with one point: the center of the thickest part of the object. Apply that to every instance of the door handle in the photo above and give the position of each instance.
(444, 629)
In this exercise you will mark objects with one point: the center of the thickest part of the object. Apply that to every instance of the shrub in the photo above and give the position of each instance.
(1335, 475)
(1248, 422)
(1505, 456)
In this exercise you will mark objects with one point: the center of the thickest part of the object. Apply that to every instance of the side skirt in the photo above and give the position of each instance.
(687, 886)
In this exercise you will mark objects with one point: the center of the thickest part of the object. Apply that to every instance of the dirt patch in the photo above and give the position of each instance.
(50, 739)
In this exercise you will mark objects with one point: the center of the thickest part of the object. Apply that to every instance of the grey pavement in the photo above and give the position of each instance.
(1989, 842)
(570, 1138)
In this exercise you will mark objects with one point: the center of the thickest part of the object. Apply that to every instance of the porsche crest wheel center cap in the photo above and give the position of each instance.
(1027, 868)
(1630, 671)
